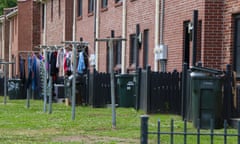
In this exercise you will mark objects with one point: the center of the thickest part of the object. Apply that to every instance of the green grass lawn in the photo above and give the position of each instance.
(19, 124)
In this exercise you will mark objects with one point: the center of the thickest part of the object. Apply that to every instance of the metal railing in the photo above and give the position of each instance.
(145, 133)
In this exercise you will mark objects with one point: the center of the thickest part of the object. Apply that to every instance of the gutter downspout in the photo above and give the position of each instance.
(162, 21)
(45, 24)
(163, 47)
(124, 29)
(3, 39)
(97, 34)
(74, 21)
(156, 41)
(10, 49)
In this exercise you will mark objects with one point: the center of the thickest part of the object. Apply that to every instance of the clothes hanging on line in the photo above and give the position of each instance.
(59, 64)
(22, 69)
(68, 63)
(52, 62)
(81, 63)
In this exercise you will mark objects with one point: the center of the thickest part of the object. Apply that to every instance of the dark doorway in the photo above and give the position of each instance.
(186, 42)
(237, 46)
(145, 48)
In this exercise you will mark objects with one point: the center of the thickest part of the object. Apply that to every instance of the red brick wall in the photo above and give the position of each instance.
(14, 42)
(231, 7)
(138, 12)
(85, 29)
(55, 22)
(36, 32)
(1, 42)
(141, 12)
(68, 19)
(209, 42)
(110, 19)
(6, 43)
(212, 49)
(176, 13)
(213, 33)
(25, 19)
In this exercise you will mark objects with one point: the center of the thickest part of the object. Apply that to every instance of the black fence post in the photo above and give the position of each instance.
(144, 129)
(148, 90)
(238, 132)
(138, 82)
(184, 90)
(227, 102)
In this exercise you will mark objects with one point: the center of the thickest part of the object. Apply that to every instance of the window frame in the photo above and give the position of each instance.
(90, 6)
(132, 44)
(145, 47)
(236, 59)
(104, 4)
(117, 53)
(59, 8)
(80, 8)
(51, 10)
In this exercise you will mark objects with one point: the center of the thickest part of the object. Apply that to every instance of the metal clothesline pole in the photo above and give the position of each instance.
(44, 81)
(5, 79)
(110, 44)
(51, 48)
(45, 50)
(74, 43)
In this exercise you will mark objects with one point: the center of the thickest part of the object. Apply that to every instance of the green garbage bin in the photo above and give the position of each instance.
(206, 93)
(14, 88)
(126, 90)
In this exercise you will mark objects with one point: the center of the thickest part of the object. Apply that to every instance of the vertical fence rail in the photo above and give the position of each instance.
(158, 132)
(225, 131)
(198, 131)
(212, 132)
(185, 133)
(238, 132)
(172, 131)
(228, 100)
(144, 129)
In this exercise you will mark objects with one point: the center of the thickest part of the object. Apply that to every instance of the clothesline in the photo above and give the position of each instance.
(27, 51)
(50, 48)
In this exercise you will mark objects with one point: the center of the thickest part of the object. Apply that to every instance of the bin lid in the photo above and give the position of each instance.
(206, 70)
(125, 75)
(198, 74)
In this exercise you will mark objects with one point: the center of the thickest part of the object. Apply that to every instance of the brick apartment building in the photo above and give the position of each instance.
(20, 33)
(164, 22)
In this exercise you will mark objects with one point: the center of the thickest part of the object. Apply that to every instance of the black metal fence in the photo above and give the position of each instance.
(160, 91)
(185, 134)
(99, 89)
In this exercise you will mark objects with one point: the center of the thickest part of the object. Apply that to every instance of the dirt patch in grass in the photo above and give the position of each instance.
(95, 139)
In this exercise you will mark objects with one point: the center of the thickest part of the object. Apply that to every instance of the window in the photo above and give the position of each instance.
(131, 49)
(43, 15)
(237, 46)
(145, 47)
(90, 6)
(59, 8)
(116, 1)
(186, 42)
(79, 8)
(51, 10)
(117, 53)
(107, 58)
(104, 3)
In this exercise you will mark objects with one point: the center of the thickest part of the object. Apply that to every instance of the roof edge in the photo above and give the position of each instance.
(12, 13)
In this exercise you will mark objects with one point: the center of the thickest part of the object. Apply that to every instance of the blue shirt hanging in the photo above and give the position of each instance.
(81, 64)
